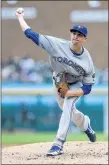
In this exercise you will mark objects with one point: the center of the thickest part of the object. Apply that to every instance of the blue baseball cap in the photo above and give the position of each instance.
(80, 28)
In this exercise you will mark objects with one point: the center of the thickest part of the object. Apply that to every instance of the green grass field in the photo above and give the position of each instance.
(25, 138)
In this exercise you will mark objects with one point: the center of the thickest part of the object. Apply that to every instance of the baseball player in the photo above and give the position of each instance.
(73, 77)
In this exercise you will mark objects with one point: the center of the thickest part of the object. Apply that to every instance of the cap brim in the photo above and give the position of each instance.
(73, 30)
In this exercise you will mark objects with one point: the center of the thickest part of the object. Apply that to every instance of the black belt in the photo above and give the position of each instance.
(72, 83)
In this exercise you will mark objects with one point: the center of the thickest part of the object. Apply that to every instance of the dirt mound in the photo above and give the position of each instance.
(74, 153)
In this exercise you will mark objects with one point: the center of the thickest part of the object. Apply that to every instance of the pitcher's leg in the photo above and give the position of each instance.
(83, 122)
(57, 147)
(65, 121)
(79, 119)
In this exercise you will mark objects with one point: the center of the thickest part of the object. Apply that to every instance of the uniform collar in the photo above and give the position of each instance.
(77, 54)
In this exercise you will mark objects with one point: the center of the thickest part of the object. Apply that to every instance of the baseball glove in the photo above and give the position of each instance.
(61, 84)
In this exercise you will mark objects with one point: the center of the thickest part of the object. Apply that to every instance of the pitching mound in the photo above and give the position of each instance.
(74, 153)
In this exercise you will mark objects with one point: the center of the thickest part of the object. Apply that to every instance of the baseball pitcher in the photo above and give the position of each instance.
(73, 77)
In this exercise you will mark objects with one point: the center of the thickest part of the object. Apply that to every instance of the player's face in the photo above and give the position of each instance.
(77, 38)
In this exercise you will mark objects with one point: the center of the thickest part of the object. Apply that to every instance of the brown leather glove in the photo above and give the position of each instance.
(61, 84)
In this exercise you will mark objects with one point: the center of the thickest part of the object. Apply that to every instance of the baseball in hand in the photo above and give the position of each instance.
(20, 10)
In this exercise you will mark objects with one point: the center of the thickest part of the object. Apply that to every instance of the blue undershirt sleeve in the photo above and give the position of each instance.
(86, 89)
(34, 36)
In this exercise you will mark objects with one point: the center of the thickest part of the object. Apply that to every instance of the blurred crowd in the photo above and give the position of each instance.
(26, 69)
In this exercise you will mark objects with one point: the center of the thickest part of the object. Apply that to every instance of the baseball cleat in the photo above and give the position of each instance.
(55, 150)
(90, 133)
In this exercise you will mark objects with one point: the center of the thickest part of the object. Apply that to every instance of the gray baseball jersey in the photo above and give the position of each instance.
(63, 59)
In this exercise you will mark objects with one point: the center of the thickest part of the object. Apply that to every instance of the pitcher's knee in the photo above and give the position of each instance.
(77, 118)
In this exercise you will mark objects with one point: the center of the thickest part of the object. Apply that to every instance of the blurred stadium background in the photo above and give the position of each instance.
(28, 100)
